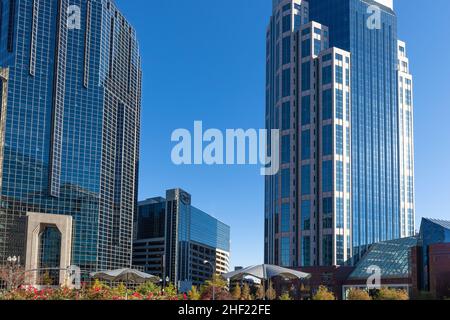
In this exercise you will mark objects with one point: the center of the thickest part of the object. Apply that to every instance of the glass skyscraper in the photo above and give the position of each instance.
(69, 126)
(333, 91)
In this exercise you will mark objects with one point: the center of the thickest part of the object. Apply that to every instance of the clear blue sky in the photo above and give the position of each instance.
(205, 60)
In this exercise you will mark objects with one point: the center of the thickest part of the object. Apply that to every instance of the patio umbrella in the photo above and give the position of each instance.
(124, 275)
(266, 272)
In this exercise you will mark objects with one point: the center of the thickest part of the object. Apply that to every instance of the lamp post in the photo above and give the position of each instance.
(213, 273)
(12, 261)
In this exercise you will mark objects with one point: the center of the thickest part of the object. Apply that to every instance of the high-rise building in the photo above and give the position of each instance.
(174, 239)
(69, 128)
(406, 143)
(332, 91)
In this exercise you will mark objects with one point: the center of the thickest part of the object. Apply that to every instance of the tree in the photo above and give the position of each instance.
(220, 289)
(324, 294)
(246, 294)
(261, 292)
(285, 297)
(236, 292)
(46, 279)
(13, 276)
(194, 294)
(392, 294)
(271, 293)
(357, 294)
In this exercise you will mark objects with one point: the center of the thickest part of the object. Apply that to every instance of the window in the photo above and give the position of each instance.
(327, 140)
(306, 145)
(306, 31)
(327, 176)
(286, 116)
(306, 112)
(339, 176)
(327, 252)
(285, 252)
(285, 183)
(339, 104)
(306, 215)
(339, 75)
(339, 140)
(340, 250)
(306, 48)
(326, 75)
(317, 46)
(326, 57)
(297, 21)
(285, 217)
(286, 50)
(408, 93)
(286, 149)
(327, 104)
(287, 23)
(277, 56)
(306, 76)
(339, 57)
(347, 77)
(347, 106)
(339, 213)
(286, 87)
(306, 251)
(277, 87)
(327, 206)
(306, 180)
(287, 7)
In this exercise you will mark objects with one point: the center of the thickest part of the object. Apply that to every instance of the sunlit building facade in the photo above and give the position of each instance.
(332, 91)
(70, 127)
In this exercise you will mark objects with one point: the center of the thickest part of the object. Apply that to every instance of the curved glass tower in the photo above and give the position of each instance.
(70, 125)
(339, 90)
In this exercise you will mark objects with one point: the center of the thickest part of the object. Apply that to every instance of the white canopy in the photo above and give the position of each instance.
(126, 275)
(266, 272)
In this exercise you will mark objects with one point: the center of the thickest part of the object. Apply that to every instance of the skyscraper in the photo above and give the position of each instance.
(69, 128)
(332, 90)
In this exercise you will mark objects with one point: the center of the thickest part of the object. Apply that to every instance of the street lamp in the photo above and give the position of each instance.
(12, 261)
(213, 273)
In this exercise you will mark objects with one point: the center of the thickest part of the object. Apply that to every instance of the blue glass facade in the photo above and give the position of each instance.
(185, 236)
(71, 125)
(374, 120)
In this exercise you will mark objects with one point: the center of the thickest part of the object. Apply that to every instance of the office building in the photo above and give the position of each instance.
(174, 240)
(71, 80)
(332, 91)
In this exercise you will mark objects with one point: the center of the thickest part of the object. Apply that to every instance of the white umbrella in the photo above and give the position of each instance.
(126, 275)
